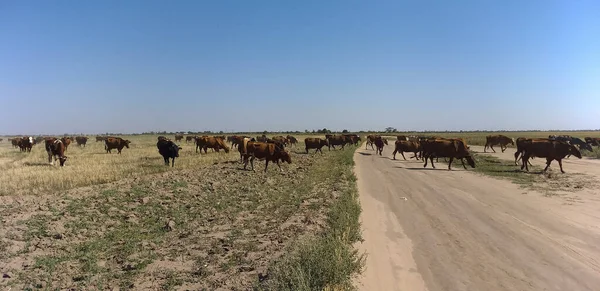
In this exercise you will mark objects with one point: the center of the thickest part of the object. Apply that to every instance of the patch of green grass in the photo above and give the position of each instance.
(593, 154)
(499, 168)
(328, 260)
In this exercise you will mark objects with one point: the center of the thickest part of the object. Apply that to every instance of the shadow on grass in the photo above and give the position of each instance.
(38, 164)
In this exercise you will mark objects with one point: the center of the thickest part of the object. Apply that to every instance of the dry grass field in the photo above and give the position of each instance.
(106, 221)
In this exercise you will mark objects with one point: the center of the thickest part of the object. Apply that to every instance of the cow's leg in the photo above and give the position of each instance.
(485, 147)
(173, 162)
(503, 148)
(548, 161)
(394, 154)
(367, 146)
(372, 146)
(560, 164)
(166, 160)
(266, 164)
(463, 163)
(307, 150)
(492, 147)
(403, 155)
(252, 162)
(517, 154)
(50, 158)
(278, 165)
(425, 159)
(450, 163)
(431, 159)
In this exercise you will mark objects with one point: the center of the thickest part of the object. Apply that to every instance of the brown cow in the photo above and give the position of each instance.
(81, 140)
(178, 137)
(15, 142)
(270, 152)
(352, 138)
(549, 149)
(594, 141)
(26, 143)
(407, 146)
(402, 137)
(336, 140)
(292, 141)
(370, 140)
(502, 140)
(520, 142)
(66, 141)
(447, 148)
(262, 138)
(100, 138)
(189, 138)
(55, 148)
(315, 143)
(380, 143)
(280, 140)
(118, 143)
(205, 142)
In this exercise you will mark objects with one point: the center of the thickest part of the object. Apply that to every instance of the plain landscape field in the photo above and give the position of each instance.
(128, 221)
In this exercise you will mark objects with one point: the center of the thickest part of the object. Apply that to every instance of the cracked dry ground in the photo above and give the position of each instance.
(211, 227)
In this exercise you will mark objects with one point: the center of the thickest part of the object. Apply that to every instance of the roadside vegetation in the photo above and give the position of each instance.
(205, 224)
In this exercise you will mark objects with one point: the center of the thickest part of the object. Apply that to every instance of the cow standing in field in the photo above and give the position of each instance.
(370, 140)
(336, 140)
(447, 148)
(55, 148)
(168, 150)
(26, 143)
(66, 141)
(189, 138)
(549, 149)
(379, 144)
(15, 141)
(118, 143)
(100, 138)
(352, 139)
(315, 143)
(81, 140)
(502, 140)
(270, 152)
(280, 140)
(593, 141)
(402, 146)
(178, 137)
(205, 142)
(292, 141)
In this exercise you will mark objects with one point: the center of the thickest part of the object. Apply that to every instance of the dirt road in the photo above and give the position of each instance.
(428, 229)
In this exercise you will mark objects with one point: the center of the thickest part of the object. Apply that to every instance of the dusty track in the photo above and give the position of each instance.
(432, 230)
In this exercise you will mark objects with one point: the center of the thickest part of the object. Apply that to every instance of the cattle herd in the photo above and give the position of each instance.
(272, 149)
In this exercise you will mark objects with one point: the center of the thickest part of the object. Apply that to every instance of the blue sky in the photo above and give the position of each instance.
(132, 66)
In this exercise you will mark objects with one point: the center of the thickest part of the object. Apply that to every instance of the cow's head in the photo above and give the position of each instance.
(127, 142)
(586, 146)
(512, 141)
(470, 161)
(285, 156)
(62, 160)
(574, 151)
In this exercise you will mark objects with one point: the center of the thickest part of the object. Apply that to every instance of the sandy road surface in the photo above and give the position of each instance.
(456, 230)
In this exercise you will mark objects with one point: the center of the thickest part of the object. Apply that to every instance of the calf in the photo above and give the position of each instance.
(407, 146)
(55, 148)
(549, 149)
(267, 151)
(447, 148)
(315, 143)
(205, 142)
(169, 150)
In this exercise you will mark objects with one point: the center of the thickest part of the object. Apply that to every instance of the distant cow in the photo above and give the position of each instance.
(118, 143)
(280, 140)
(262, 138)
(100, 138)
(81, 140)
(205, 142)
(66, 141)
(267, 151)
(26, 143)
(337, 140)
(55, 148)
(352, 138)
(292, 141)
(594, 141)
(370, 139)
(502, 140)
(315, 143)
(572, 140)
(447, 148)
(379, 144)
(169, 150)
(189, 138)
(178, 137)
(15, 141)
(549, 149)
(402, 146)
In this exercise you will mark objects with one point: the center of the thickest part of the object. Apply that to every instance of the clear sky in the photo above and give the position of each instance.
(133, 66)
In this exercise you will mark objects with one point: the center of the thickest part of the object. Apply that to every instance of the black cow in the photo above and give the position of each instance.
(169, 150)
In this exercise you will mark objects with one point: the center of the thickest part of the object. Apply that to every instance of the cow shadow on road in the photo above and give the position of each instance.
(365, 154)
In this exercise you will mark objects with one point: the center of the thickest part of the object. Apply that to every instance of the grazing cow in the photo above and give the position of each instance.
(594, 141)
(352, 139)
(81, 140)
(118, 143)
(270, 152)
(280, 140)
(178, 137)
(380, 143)
(336, 140)
(549, 149)
(169, 150)
(55, 148)
(292, 141)
(502, 140)
(407, 146)
(189, 138)
(205, 142)
(447, 148)
(66, 141)
(315, 143)
(100, 138)
(25, 144)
